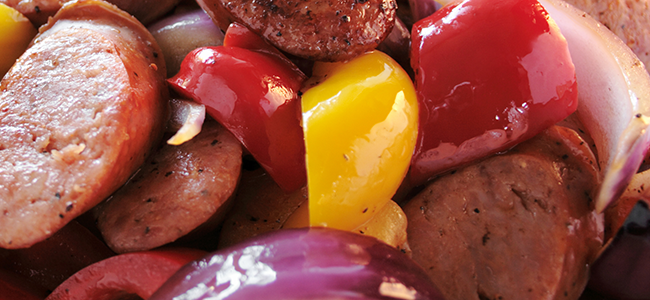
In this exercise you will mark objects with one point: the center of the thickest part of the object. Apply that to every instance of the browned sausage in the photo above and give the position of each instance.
(628, 19)
(329, 30)
(178, 189)
(514, 226)
(38, 11)
(80, 111)
(260, 206)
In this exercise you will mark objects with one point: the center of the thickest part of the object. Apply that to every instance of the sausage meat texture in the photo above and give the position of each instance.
(146, 11)
(79, 112)
(179, 189)
(324, 30)
(515, 226)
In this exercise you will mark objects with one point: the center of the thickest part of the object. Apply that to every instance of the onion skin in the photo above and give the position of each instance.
(613, 89)
(421, 9)
(622, 271)
(183, 32)
(308, 263)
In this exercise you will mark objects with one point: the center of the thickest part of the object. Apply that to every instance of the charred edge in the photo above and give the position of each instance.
(485, 238)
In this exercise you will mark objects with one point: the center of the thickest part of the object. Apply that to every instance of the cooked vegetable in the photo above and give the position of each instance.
(315, 263)
(180, 33)
(14, 286)
(186, 120)
(613, 97)
(421, 9)
(360, 123)
(17, 32)
(53, 260)
(489, 75)
(131, 274)
(254, 94)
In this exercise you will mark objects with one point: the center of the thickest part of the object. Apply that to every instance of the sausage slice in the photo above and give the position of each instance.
(177, 190)
(325, 30)
(79, 112)
(514, 226)
(38, 11)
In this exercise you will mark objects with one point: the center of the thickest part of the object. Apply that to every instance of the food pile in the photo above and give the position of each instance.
(361, 149)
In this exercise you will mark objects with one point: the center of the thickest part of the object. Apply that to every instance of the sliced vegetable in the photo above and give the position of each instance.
(17, 32)
(613, 90)
(117, 277)
(14, 286)
(180, 33)
(186, 120)
(489, 75)
(308, 263)
(255, 95)
(53, 260)
(360, 123)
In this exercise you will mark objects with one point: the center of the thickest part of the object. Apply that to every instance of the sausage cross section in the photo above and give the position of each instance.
(79, 112)
(325, 30)
(178, 190)
(514, 226)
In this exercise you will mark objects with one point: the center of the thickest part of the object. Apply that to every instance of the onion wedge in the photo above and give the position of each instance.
(187, 119)
(614, 97)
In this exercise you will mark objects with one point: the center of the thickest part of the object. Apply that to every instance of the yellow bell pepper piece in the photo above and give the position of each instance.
(16, 32)
(360, 120)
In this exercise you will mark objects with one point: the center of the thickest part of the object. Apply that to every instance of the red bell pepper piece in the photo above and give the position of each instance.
(489, 74)
(136, 273)
(254, 93)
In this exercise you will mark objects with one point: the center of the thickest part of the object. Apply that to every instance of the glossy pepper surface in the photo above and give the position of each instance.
(489, 74)
(360, 123)
(15, 34)
(254, 93)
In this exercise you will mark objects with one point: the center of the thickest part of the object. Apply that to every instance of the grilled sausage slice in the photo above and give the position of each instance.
(38, 11)
(325, 30)
(515, 226)
(178, 189)
(79, 112)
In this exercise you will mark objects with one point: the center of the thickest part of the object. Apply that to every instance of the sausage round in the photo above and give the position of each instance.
(79, 112)
(177, 190)
(38, 11)
(325, 30)
(514, 226)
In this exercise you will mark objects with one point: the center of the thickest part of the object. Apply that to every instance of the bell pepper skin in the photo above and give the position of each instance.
(489, 74)
(136, 273)
(51, 261)
(254, 94)
(360, 121)
(14, 286)
(17, 32)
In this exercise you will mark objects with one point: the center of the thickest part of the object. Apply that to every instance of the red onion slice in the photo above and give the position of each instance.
(614, 97)
(308, 263)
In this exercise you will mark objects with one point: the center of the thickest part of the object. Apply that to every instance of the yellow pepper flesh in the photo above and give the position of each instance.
(360, 124)
(16, 32)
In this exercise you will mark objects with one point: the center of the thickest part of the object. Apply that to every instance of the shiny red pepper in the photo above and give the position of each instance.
(489, 74)
(124, 275)
(254, 93)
